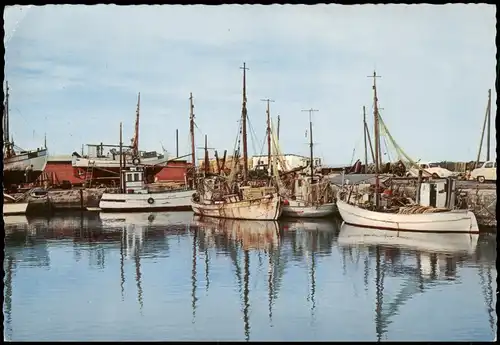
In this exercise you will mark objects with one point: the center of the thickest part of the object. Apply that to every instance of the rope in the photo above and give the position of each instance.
(399, 150)
(253, 135)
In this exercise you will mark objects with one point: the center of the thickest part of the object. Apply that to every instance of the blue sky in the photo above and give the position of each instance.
(75, 71)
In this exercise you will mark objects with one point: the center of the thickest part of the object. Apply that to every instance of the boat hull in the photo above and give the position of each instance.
(79, 162)
(14, 168)
(107, 170)
(351, 235)
(443, 222)
(265, 208)
(15, 208)
(294, 209)
(161, 201)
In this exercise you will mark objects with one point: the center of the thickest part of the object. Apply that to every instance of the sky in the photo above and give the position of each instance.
(74, 73)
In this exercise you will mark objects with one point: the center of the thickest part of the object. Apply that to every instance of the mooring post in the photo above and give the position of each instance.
(419, 186)
(81, 199)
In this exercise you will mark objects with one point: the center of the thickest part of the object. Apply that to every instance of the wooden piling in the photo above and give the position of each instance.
(81, 199)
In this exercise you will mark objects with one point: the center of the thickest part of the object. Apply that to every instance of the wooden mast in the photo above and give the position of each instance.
(244, 124)
(364, 132)
(121, 161)
(191, 132)
(486, 126)
(377, 139)
(310, 111)
(6, 134)
(268, 120)
(278, 129)
(489, 127)
(207, 160)
(135, 144)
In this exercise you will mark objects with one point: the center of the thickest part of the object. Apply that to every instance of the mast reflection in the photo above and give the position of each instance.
(429, 250)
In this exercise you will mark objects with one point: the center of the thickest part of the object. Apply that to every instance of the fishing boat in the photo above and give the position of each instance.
(137, 197)
(310, 199)
(226, 197)
(19, 166)
(309, 196)
(13, 207)
(433, 211)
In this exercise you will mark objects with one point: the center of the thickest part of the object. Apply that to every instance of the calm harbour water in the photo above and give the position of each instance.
(172, 276)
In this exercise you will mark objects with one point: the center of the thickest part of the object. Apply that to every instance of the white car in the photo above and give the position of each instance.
(487, 172)
(430, 169)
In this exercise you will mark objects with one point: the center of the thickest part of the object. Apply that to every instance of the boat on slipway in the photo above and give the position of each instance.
(101, 168)
(19, 165)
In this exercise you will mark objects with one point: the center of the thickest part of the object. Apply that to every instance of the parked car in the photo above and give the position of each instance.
(430, 169)
(487, 172)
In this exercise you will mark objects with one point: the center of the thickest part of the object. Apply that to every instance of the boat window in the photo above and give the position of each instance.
(495, 165)
(489, 165)
(136, 177)
(433, 165)
(129, 177)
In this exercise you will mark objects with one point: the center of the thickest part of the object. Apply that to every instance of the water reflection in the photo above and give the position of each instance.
(270, 264)
(245, 235)
(436, 257)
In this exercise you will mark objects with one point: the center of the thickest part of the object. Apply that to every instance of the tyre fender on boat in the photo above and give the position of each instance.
(151, 201)
(136, 161)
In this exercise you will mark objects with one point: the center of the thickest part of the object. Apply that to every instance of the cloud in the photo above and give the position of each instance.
(82, 66)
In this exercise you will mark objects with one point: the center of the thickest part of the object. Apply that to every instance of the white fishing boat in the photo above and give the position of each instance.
(308, 196)
(433, 211)
(226, 197)
(138, 198)
(351, 235)
(300, 209)
(444, 221)
(308, 199)
(12, 207)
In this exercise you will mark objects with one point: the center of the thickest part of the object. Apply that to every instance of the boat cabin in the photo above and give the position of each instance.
(303, 185)
(133, 178)
(438, 193)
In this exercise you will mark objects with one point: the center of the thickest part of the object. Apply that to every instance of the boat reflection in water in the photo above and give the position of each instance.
(246, 236)
(145, 219)
(428, 241)
(303, 224)
(250, 234)
(13, 222)
(423, 260)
